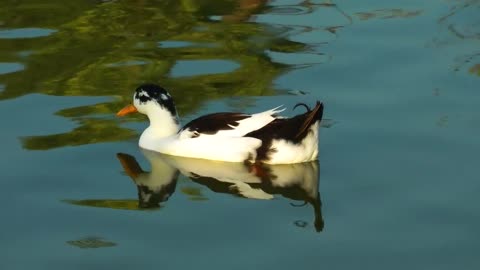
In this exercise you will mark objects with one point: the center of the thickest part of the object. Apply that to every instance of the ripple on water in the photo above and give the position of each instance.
(202, 67)
(285, 2)
(91, 242)
(317, 17)
(183, 44)
(313, 37)
(174, 44)
(291, 10)
(297, 58)
(25, 33)
(215, 18)
(200, 28)
(127, 63)
(24, 54)
(10, 67)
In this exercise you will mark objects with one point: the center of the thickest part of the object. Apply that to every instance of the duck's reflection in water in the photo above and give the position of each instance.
(298, 182)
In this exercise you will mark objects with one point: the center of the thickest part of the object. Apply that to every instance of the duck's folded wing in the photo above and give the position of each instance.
(228, 124)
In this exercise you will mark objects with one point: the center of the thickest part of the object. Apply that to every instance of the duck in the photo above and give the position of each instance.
(263, 137)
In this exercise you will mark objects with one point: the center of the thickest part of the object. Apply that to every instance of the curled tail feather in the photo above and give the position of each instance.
(302, 104)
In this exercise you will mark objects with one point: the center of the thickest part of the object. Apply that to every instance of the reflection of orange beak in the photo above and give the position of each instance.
(130, 165)
(128, 109)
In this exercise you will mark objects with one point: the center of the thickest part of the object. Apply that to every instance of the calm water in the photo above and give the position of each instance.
(398, 176)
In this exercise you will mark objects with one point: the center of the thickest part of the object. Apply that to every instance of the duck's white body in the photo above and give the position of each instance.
(234, 149)
(232, 137)
(306, 150)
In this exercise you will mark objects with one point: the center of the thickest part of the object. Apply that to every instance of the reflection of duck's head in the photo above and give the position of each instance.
(297, 182)
(153, 187)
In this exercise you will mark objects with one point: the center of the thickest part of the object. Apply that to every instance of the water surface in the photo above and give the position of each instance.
(397, 176)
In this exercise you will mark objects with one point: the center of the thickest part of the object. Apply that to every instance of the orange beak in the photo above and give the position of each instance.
(128, 109)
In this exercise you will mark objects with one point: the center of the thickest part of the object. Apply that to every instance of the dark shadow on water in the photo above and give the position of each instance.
(125, 204)
(296, 182)
(91, 242)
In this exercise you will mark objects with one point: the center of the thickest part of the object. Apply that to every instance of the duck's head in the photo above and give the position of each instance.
(150, 99)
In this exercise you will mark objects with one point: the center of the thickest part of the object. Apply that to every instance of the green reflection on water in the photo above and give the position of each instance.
(475, 69)
(194, 193)
(108, 48)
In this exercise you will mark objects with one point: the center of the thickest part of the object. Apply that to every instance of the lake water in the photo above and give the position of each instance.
(398, 176)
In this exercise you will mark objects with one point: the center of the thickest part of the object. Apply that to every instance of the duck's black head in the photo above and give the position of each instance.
(147, 93)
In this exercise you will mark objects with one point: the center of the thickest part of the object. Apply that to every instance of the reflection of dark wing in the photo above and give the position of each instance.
(212, 123)
(213, 184)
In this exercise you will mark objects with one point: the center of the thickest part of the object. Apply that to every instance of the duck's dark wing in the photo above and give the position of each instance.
(228, 124)
(213, 123)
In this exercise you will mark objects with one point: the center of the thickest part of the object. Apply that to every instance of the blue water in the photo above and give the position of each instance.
(399, 150)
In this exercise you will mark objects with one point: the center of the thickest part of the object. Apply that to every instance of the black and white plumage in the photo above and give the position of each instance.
(227, 136)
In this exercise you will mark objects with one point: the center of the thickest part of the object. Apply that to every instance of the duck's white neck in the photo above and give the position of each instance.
(162, 124)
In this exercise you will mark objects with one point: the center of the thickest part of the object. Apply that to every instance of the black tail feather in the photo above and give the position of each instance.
(313, 115)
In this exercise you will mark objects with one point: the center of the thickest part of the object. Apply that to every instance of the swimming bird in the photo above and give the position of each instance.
(263, 137)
